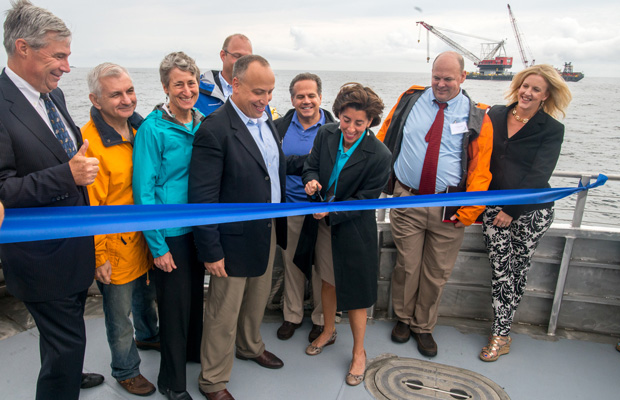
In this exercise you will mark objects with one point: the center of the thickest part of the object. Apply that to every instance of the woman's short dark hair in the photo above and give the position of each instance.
(359, 97)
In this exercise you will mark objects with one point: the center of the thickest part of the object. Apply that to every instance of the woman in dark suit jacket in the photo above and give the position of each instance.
(347, 162)
(526, 146)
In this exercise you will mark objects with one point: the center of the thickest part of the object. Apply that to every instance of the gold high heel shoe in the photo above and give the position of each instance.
(313, 350)
(354, 380)
(498, 345)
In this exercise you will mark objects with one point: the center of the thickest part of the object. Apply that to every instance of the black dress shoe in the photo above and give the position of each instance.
(426, 344)
(315, 332)
(91, 380)
(401, 332)
(171, 395)
(267, 360)
(148, 345)
(286, 330)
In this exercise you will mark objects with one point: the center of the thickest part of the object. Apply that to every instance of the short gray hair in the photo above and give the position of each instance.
(242, 64)
(101, 71)
(306, 76)
(31, 23)
(179, 60)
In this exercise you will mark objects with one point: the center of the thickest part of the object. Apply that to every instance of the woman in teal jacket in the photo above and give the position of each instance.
(162, 152)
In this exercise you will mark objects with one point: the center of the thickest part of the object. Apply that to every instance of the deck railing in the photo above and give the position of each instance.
(578, 213)
(573, 228)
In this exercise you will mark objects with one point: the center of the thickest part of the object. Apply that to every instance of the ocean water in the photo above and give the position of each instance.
(591, 141)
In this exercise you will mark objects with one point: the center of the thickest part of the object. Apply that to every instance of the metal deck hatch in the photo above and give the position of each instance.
(389, 377)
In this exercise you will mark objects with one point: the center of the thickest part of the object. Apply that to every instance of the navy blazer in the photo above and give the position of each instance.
(227, 167)
(527, 159)
(34, 172)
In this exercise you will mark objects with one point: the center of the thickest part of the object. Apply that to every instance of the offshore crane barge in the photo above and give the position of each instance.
(493, 63)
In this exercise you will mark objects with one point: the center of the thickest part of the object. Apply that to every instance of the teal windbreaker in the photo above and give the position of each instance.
(161, 157)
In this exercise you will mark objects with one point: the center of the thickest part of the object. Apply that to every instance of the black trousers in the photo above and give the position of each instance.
(62, 342)
(180, 304)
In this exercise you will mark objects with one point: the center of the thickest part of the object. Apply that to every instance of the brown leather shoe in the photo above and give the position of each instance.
(315, 332)
(267, 360)
(426, 344)
(219, 395)
(286, 330)
(401, 332)
(138, 385)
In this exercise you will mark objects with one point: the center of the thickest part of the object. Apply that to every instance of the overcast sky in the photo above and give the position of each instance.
(360, 35)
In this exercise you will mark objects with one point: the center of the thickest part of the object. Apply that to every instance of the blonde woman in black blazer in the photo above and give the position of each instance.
(526, 146)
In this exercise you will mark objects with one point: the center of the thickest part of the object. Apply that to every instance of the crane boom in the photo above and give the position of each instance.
(464, 52)
(513, 22)
(497, 48)
(488, 64)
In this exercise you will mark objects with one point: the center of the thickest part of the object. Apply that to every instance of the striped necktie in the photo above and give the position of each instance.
(60, 131)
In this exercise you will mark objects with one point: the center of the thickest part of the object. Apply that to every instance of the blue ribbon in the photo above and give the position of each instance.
(30, 224)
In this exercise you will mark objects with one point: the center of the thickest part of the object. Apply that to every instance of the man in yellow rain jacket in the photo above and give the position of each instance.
(122, 259)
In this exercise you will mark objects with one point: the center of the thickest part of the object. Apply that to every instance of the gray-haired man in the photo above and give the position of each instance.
(43, 164)
(122, 259)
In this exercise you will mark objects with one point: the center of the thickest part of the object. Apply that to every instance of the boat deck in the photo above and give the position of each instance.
(571, 365)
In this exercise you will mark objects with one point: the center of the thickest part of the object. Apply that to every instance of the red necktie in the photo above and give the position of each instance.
(433, 137)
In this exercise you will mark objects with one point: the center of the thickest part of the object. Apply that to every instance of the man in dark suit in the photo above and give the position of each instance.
(237, 159)
(41, 167)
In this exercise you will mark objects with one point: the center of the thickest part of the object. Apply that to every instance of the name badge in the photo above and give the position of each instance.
(458, 127)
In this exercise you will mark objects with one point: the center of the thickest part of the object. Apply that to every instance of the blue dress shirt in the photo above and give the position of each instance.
(226, 87)
(408, 165)
(262, 135)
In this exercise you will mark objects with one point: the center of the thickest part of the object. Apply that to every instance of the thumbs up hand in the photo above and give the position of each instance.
(84, 169)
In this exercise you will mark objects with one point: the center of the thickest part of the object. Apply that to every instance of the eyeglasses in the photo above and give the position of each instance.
(234, 55)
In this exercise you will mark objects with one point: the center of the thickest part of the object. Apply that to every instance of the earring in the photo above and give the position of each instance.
(542, 104)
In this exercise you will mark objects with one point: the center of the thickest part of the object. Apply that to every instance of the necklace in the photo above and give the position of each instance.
(514, 113)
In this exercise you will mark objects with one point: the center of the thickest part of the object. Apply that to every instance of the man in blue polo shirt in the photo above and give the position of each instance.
(298, 129)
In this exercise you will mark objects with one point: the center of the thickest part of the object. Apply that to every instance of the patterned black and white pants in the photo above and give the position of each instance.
(510, 252)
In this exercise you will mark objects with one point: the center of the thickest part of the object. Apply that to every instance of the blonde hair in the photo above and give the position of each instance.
(559, 93)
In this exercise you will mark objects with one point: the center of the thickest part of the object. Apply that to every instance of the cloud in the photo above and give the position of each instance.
(329, 35)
